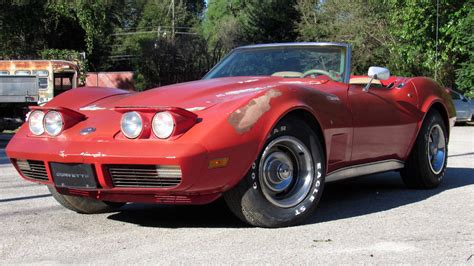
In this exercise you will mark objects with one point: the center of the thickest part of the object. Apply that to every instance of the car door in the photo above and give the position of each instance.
(385, 121)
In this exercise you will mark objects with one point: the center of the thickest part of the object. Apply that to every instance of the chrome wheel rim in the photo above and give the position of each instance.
(436, 149)
(286, 171)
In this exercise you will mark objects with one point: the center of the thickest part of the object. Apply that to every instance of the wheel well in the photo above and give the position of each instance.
(310, 121)
(442, 111)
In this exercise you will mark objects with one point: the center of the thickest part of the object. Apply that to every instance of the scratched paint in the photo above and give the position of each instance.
(92, 108)
(94, 155)
(243, 119)
(84, 154)
(248, 81)
(248, 90)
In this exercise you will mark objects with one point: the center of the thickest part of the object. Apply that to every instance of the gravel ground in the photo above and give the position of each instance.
(373, 219)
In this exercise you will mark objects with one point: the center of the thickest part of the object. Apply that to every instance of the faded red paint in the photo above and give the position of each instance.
(235, 117)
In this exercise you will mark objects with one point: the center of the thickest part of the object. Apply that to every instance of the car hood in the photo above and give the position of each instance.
(195, 95)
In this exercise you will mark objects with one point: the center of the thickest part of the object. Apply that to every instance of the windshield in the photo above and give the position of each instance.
(284, 61)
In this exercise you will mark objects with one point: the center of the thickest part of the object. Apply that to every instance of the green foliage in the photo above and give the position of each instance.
(463, 43)
(398, 34)
(21, 32)
(30, 26)
(361, 23)
(96, 20)
(164, 61)
(222, 26)
(268, 21)
(414, 25)
(137, 34)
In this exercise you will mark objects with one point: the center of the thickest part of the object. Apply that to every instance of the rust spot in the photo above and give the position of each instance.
(243, 119)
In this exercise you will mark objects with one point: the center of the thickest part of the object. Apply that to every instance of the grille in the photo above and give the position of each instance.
(33, 169)
(158, 176)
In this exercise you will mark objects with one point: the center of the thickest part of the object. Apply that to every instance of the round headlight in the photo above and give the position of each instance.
(53, 123)
(163, 125)
(131, 124)
(35, 121)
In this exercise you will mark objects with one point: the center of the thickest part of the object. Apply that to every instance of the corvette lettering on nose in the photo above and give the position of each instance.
(69, 175)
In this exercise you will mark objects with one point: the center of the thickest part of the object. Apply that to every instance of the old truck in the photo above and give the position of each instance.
(31, 82)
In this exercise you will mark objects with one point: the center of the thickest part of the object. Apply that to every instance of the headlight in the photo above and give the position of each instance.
(132, 125)
(35, 121)
(163, 125)
(53, 123)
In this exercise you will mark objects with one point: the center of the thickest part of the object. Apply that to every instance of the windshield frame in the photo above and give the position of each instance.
(346, 48)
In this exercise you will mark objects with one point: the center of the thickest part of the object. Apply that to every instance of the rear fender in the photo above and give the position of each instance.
(432, 96)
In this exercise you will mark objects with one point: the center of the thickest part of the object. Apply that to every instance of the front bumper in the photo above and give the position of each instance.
(195, 186)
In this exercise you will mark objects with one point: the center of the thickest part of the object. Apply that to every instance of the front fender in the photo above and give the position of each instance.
(239, 130)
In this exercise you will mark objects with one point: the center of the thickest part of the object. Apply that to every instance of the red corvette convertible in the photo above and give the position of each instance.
(265, 129)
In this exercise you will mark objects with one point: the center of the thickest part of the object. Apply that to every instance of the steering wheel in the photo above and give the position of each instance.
(316, 71)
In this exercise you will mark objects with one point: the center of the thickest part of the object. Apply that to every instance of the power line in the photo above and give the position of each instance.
(150, 32)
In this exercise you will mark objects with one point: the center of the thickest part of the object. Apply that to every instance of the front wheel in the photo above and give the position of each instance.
(426, 165)
(285, 183)
(84, 205)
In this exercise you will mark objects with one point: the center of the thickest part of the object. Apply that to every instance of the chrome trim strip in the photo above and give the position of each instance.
(294, 44)
(364, 169)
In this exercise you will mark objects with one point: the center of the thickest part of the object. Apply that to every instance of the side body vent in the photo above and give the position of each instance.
(33, 169)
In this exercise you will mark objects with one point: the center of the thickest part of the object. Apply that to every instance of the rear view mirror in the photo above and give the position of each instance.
(379, 73)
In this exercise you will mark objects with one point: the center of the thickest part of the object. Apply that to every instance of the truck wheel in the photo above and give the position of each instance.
(285, 184)
(426, 165)
(83, 204)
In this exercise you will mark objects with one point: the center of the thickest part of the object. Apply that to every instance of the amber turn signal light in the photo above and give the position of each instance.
(218, 163)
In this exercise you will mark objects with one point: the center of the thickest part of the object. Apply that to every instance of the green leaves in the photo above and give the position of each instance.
(398, 34)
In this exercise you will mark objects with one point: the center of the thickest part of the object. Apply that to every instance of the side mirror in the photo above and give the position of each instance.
(379, 73)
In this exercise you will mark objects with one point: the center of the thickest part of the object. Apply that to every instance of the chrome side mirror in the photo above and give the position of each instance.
(380, 73)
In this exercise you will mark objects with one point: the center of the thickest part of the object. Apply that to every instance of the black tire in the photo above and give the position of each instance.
(419, 172)
(251, 201)
(84, 205)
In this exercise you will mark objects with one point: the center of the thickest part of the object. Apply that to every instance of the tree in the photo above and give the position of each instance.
(27, 27)
(145, 42)
(414, 25)
(221, 26)
(268, 21)
(398, 34)
(363, 24)
(463, 41)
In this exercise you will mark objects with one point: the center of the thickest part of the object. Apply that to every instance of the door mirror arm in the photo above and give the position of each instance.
(366, 88)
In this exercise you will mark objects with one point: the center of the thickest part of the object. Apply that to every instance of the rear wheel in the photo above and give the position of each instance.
(84, 205)
(426, 165)
(285, 183)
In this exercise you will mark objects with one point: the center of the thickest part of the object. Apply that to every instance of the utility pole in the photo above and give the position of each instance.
(172, 22)
(437, 37)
